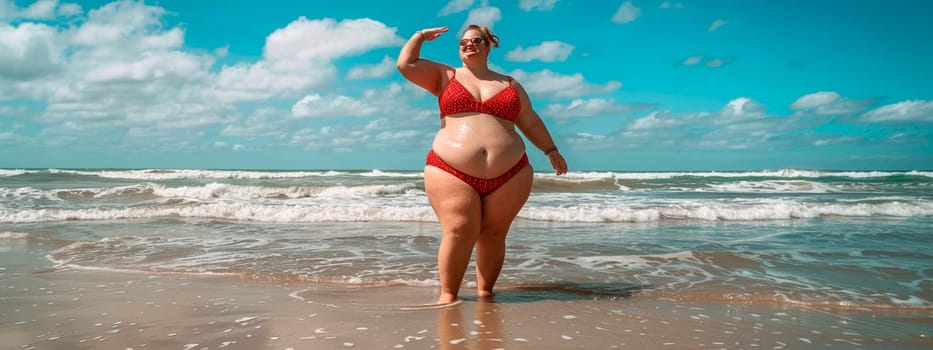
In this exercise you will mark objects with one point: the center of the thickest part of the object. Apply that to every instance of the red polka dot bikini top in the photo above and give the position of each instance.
(457, 99)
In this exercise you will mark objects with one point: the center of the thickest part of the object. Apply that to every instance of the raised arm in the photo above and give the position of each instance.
(422, 72)
(534, 129)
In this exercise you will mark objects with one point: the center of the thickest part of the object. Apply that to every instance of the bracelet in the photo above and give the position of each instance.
(549, 150)
(420, 32)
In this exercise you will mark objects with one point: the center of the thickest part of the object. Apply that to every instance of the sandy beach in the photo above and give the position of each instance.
(205, 259)
(74, 309)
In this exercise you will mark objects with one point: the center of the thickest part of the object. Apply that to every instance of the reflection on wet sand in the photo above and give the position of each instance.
(484, 331)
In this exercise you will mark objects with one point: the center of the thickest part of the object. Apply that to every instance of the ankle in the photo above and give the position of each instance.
(446, 298)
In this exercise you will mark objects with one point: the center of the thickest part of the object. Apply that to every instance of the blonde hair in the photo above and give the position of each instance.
(484, 32)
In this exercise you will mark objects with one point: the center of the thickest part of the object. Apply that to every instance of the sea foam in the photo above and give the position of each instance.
(297, 213)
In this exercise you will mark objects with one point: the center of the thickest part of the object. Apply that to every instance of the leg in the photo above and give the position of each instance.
(457, 207)
(499, 209)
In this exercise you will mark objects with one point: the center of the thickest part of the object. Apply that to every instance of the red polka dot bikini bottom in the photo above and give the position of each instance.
(482, 186)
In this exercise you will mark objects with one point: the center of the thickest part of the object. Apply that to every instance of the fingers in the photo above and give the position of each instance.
(561, 170)
(435, 31)
(559, 164)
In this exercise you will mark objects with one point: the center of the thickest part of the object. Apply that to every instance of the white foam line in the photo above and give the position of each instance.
(296, 295)
(430, 306)
(62, 265)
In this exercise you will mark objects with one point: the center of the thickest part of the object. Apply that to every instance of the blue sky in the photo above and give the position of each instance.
(622, 85)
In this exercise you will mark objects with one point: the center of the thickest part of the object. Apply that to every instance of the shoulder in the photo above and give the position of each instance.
(518, 85)
(512, 81)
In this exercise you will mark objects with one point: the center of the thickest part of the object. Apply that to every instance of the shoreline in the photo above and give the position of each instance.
(85, 309)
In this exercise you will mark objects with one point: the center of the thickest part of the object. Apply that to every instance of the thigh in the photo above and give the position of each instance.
(455, 203)
(502, 205)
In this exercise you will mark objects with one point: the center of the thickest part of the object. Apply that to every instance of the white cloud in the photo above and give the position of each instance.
(11, 138)
(829, 103)
(815, 99)
(626, 13)
(379, 70)
(486, 16)
(120, 27)
(904, 111)
(222, 51)
(835, 141)
(124, 76)
(397, 125)
(8, 10)
(710, 62)
(588, 141)
(175, 66)
(716, 24)
(263, 80)
(347, 138)
(396, 135)
(738, 117)
(327, 39)
(669, 5)
(70, 10)
(541, 5)
(12, 112)
(455, 6)
(716, 62)
(264, 122)
(318, 106)
(844, 106)
(741, 124)
(589, 108)
(549, 83)
(41, 9)
(118, 70)
(740, 109)
(548, 51)
(29, 51)
(692, 60)
(383, 102)
(298, 57)
(657, 120)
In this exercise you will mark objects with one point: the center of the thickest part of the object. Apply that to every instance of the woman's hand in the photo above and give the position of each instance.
(432, 33)
(558, 162)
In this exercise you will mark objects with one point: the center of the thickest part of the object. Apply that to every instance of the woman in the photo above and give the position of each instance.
(477, 176)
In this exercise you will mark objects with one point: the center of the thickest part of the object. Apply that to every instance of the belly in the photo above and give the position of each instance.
(480, 145)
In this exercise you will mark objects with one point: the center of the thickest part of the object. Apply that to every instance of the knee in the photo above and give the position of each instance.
(460, 232)
(494, 232)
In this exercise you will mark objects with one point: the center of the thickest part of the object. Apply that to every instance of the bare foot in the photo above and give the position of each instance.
(483, 294)
(446, 298)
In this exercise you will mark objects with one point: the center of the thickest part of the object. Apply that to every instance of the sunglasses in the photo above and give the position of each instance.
(475, 41)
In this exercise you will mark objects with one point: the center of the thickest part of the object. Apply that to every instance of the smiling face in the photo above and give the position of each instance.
(473, 45)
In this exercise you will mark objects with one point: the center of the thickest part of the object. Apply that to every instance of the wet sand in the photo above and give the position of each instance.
(80, 309)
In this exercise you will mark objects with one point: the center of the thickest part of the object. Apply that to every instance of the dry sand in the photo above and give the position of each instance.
(74, 309)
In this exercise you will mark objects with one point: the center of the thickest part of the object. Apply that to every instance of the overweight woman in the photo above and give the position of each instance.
(477, 176)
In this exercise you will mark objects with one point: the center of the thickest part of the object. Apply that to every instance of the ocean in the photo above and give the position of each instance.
(789, 238)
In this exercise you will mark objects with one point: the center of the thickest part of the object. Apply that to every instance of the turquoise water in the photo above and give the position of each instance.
(789, 237)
